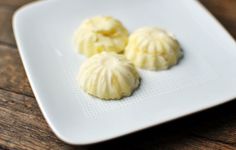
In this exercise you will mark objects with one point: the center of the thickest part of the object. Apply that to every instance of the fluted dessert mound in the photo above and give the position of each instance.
(153, 49)
(108, 76)
(99, 34)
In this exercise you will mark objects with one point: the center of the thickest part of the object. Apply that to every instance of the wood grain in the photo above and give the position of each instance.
(6, 32)
(23, 127)
(13, 77)
(14, 3)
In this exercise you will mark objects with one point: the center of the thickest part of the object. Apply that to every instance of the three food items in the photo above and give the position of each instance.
(113, 55)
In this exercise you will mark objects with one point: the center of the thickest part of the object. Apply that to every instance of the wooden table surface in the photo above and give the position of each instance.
(22, 125)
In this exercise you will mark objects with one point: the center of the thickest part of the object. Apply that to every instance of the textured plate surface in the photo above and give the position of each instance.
(204, 78)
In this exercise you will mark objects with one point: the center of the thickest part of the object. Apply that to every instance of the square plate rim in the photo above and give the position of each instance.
(24, 9)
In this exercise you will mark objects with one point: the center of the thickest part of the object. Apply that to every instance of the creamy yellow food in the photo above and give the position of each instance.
(153, 49)
(108, 76)
(101, 33)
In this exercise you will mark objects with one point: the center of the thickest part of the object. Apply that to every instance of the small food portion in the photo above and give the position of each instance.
(99, 34)
(153, 49)
(108, 76)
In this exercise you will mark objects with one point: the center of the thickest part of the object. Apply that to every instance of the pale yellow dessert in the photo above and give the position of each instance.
(153, 49)
(108, 76)
(101, 33)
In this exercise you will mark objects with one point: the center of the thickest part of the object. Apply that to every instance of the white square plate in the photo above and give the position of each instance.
(206, 77)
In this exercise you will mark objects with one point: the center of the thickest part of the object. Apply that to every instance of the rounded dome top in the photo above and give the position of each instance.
(108, 76)
(153, 48)
(101, 33)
